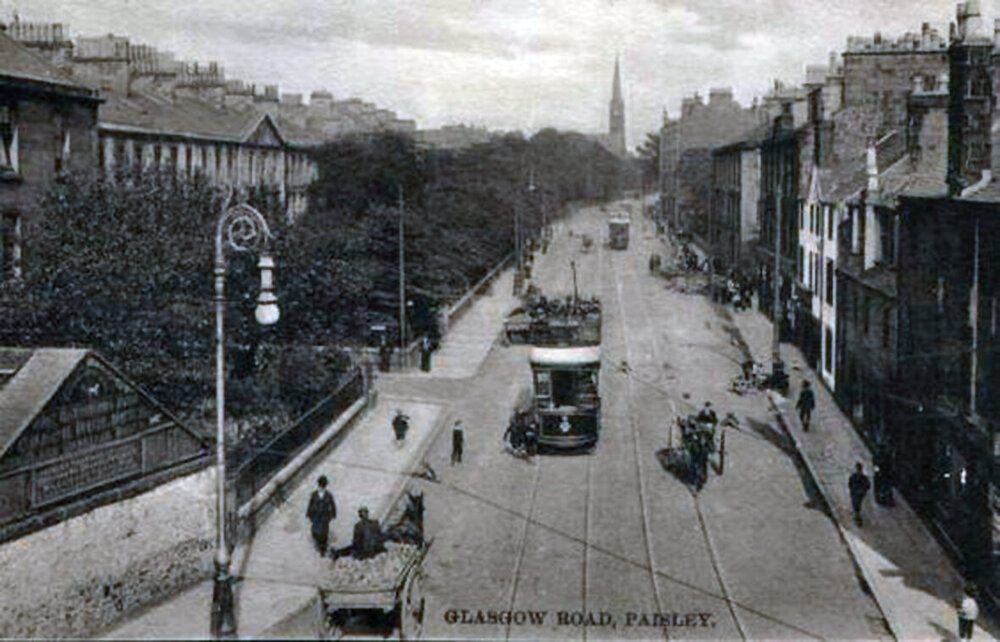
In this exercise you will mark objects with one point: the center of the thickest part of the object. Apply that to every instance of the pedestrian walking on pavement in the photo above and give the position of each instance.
(968, 611)
(805, 404)
(883, 475)
(322, 509)
(426, 348)
(858, 484)
(457, 442)
(400, 424)
(384, 356)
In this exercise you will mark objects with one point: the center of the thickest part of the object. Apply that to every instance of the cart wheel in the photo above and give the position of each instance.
(411, 625)
(326, 625)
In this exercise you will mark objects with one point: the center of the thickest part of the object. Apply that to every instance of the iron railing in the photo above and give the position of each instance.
(252, 470)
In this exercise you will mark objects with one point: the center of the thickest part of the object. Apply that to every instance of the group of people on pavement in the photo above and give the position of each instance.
(858, 483)
(367, 541)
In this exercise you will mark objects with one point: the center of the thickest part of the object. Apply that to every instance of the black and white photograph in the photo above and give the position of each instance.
(500, 320)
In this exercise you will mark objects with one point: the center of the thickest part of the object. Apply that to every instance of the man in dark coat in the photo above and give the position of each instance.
(883, 476)
(321, 510)
(457, 442)
(384, 356)
(368, 538)
(805, 404)
(707, 415)
(400, 424)
(858, 484)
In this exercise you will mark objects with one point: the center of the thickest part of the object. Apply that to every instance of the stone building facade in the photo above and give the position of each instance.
(879, 72)
(106, 500)
(734, 224)
(48, 125)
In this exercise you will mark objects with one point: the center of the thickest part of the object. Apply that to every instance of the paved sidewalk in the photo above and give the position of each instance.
(279, 568)
(467, 343)
(911, 578)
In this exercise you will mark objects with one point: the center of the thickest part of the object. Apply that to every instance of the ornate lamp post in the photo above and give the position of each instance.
(240, 228)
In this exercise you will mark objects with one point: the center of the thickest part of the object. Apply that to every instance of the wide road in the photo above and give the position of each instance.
(610, 545)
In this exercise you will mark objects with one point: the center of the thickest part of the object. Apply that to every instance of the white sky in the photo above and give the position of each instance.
(503, 64)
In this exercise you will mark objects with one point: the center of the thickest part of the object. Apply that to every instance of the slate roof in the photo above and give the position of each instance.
(25, 394)
(38, 375)
(842, 181)
(180, 117)
(18, 63)
(902, 180)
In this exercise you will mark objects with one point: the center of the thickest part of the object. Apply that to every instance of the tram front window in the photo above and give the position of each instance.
(563, 388)
(574, 388)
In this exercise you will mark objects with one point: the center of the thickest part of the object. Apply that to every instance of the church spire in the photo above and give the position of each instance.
(616, 88)
(616, 115)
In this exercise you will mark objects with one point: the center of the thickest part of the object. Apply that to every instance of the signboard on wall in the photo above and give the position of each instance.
(94, 431)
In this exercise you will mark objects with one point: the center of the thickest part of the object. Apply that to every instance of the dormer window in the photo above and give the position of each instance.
(8, 141)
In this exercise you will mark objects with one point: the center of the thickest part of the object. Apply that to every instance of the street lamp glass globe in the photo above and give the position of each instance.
(267, 312)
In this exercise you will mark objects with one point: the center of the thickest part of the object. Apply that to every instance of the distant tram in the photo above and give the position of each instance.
(566, 401)
(618, 233)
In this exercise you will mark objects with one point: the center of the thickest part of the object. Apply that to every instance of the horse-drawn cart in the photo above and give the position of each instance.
(376, 590)
(377, 597)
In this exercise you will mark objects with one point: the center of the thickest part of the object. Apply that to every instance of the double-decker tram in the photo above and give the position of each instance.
(566, 401)
(618, 233)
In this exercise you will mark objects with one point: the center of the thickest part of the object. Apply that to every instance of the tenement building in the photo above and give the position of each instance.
(686, 145)
(879, 72)
(47, 125)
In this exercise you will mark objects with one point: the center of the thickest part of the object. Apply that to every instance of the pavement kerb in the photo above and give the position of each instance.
(777, 402)
(389, 503)
(404, 478)
(289, 470)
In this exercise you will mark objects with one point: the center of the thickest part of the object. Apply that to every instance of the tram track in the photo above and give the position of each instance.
(641, 305)
(636, 450)
(530, 521)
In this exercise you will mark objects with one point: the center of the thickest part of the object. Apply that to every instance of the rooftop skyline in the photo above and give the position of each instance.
(522, 65)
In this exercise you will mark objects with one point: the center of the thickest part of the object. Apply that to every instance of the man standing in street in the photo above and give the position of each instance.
(457, 442)
(321, 510)
(967, 613)
(707, 415)
(805, 405)
(858, 485)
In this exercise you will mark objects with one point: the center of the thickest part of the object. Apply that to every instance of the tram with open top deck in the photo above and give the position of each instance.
(566, 401)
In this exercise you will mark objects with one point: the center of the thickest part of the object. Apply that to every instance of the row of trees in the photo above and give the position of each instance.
(123, 264)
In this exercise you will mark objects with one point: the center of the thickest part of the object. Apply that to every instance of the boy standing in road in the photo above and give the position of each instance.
(321, 510)
(805, 405)
(858, 484)
(457, 442)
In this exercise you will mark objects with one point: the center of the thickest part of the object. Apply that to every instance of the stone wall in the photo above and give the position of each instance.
(77, 577)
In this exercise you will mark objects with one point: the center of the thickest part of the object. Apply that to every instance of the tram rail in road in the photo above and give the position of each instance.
(628, 269)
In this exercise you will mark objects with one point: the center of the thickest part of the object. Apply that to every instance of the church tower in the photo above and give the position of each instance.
(616, 117)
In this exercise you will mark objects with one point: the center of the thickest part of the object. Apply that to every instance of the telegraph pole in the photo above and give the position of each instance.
(777, 366)
(402, 283)
(677, 173)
